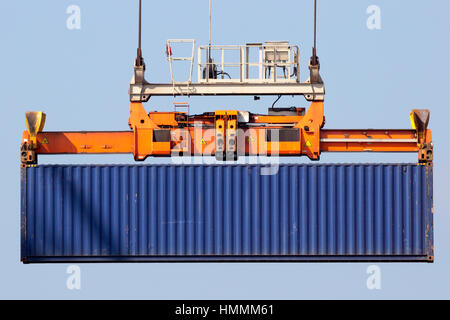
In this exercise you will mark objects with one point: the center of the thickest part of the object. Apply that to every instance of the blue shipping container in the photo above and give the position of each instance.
(131, 213)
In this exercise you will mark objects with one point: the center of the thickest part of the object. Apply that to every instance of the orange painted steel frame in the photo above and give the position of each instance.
(222, 133)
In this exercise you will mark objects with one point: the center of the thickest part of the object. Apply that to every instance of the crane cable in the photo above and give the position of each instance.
(139, 59)
(314, 57)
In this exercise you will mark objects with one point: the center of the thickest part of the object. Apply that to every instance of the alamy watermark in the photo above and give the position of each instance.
(203, 142)
(73, 22)
(373, 282)
(73, 281)
(374, 19)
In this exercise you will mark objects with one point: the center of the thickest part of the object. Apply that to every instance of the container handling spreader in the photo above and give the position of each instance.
(270, 68)
(227, 211)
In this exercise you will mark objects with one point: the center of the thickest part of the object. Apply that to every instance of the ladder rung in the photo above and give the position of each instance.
(181, 83)
(181, 59)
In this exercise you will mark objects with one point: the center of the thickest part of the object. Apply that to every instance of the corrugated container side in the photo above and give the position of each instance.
(356, 212)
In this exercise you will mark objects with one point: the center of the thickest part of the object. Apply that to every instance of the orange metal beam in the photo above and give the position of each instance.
(160, 134)
(276, 119)
(372, 140)
(250, 142)
(83, 142)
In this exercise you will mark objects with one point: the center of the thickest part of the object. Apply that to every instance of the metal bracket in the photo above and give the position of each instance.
(28, 156)
(35, 121)
(231, 136)
(426, 154)
(138, 84)
(419, 121)
(220, 139)
(314, 71)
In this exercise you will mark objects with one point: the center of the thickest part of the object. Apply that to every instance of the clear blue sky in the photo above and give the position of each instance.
(80, 79)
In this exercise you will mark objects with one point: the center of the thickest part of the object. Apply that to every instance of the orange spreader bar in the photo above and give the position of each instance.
(223, 135)
(369, 141)
(84, 142)
(202, 142)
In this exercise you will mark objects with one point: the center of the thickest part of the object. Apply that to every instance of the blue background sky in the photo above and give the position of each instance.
(80, 79)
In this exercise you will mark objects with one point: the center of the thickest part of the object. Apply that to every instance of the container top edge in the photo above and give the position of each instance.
(228, 165)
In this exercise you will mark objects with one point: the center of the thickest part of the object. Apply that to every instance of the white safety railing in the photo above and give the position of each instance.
(172, 58)
(253, 63)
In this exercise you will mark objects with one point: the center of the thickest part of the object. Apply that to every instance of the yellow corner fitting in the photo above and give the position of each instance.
(419, 121)
(35, 121)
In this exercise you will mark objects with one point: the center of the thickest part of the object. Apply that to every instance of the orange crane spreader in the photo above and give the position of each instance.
(221, 133)
(229, 134)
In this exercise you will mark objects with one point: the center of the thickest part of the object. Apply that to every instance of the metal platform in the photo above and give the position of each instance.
(254, 69)
(142, 92)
